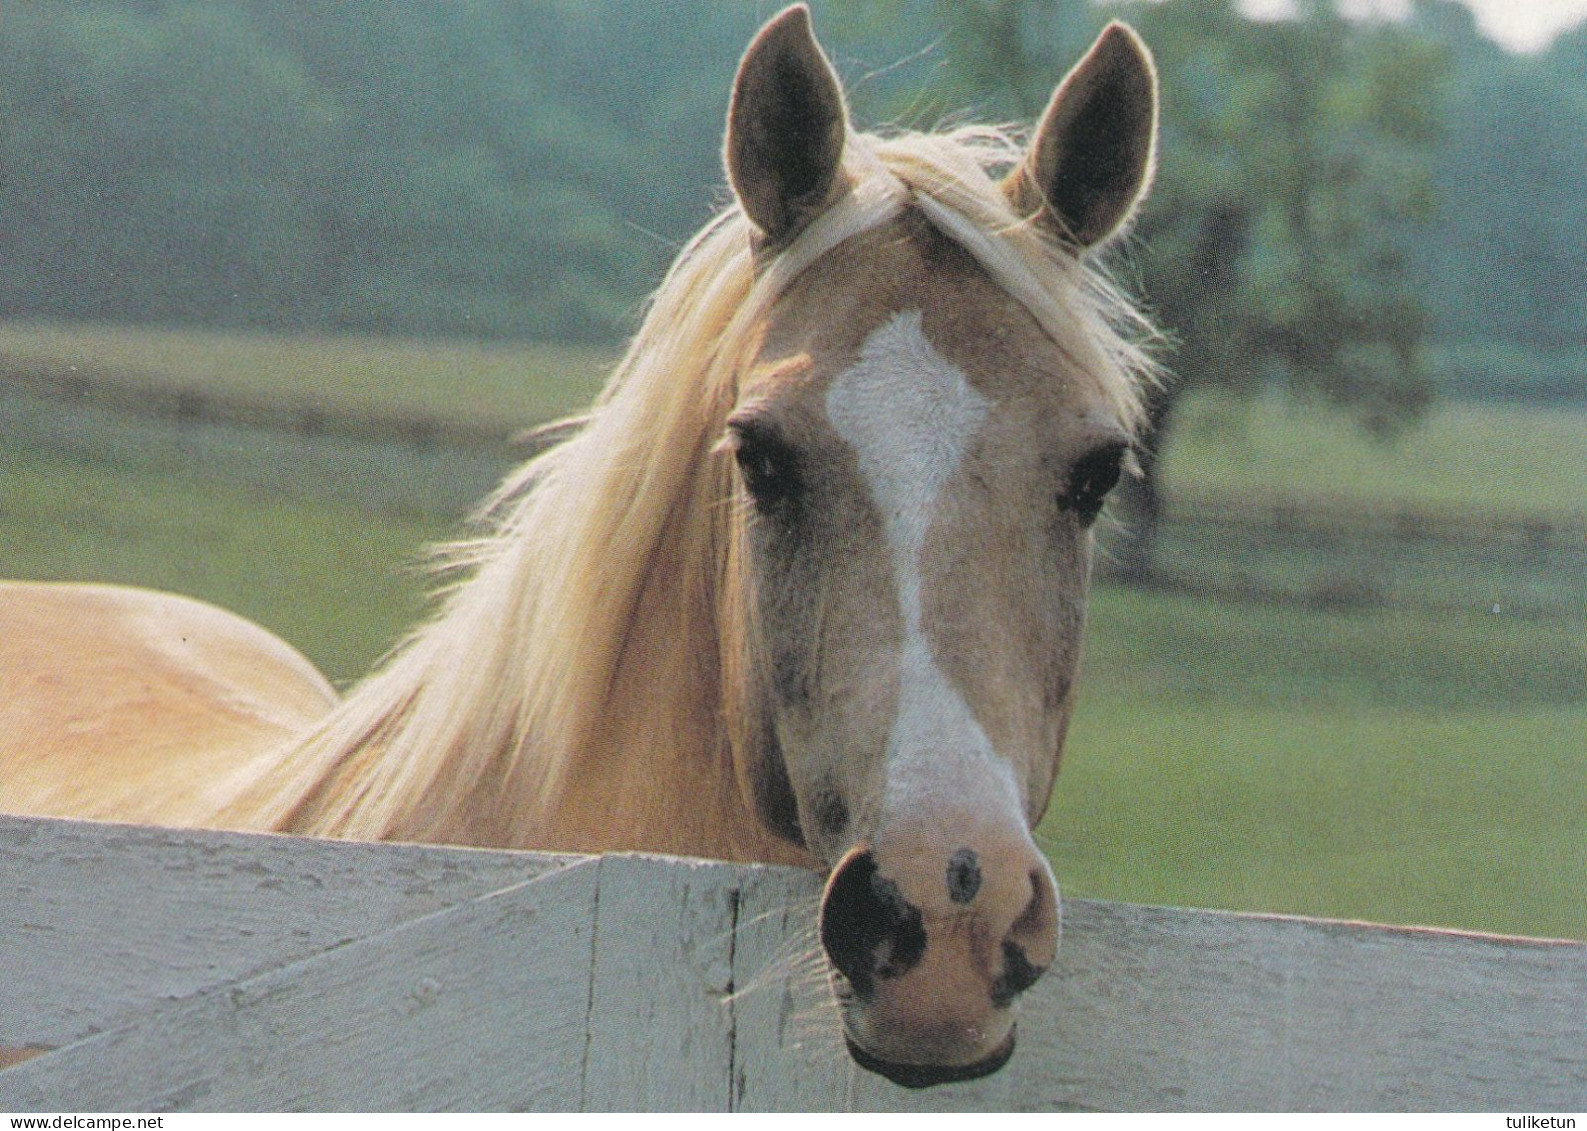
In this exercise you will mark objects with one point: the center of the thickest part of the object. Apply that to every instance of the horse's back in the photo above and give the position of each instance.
(127, 704)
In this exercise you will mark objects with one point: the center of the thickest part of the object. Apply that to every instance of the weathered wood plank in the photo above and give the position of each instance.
(482, 1006)
(703, 988)
(98, 922)
(661, 1022)
(790, 1054)
(1158, 1009)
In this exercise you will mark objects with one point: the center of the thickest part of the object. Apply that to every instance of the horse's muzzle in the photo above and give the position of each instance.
(927, 1075)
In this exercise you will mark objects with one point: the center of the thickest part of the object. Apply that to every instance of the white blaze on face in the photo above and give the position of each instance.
(911, 415)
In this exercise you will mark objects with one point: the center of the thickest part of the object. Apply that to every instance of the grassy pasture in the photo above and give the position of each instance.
(1383, 765)
(336, 581)
(1517, 458)
(1377, 764)
(463, 382)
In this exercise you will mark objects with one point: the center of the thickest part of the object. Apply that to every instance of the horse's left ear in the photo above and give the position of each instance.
(786, 127)
(1091, 161)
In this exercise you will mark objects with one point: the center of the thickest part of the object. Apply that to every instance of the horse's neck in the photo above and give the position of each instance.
(652, 772)
(657, 775)
(656, 772)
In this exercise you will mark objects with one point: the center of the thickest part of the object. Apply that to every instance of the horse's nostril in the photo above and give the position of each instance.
(868, 929)
(1019, 974)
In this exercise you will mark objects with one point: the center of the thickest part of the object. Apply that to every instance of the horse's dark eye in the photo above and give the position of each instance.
(769, 466)
(1090, 479)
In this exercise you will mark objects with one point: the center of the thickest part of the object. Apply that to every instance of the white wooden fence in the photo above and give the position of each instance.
(165, 970)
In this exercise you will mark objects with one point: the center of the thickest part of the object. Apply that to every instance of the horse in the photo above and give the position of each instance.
(806, 586)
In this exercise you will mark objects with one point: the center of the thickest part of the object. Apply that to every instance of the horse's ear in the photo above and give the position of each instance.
(786, 126)
(1091, 161)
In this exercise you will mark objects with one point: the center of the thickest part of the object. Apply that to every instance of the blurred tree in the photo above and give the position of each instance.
(464, 186)
(166, 135)
(411, 169)
(1295, 168)
(1513, 191)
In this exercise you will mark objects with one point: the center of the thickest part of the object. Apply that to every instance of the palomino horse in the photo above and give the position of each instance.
(807, 586)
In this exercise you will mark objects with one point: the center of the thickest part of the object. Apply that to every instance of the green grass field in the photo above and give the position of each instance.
(1379, 764)
(339, 583)
(467, 383)
(1388, 766)
(1489, 456)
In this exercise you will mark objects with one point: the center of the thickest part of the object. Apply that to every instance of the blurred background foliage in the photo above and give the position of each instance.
(1364, 213)
(1333, 194)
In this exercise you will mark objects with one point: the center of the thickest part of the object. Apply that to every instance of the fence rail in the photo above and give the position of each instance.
(1337, 518)
(150, 969)
(1340, 554)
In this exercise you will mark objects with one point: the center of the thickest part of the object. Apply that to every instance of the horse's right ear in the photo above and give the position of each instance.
(786, 127)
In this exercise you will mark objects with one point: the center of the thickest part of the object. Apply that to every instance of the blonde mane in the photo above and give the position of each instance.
(589, 629)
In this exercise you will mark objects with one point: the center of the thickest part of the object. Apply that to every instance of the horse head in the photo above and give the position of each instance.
(924, 438)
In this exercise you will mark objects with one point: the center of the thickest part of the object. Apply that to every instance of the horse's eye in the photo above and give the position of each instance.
(1090, 479)
(769, 466)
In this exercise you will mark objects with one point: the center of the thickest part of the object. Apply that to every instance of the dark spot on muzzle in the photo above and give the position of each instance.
(964, 876)
(926, 1075)
(868, 929)
(1019, 974)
